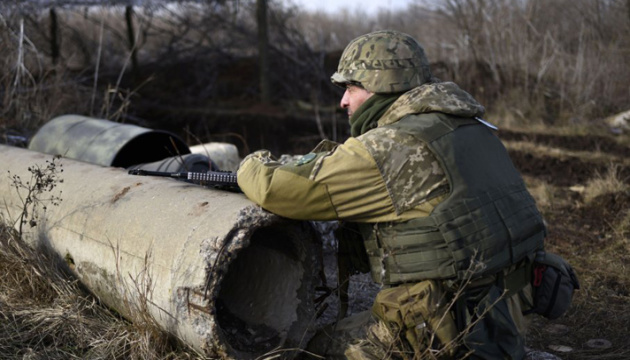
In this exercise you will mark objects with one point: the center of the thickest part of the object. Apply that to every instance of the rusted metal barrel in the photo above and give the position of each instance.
(104, 142)
(217, 271)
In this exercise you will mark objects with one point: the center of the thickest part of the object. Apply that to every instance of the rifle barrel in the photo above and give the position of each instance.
(158, 173)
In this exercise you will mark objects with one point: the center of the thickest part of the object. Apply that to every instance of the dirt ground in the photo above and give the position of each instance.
(593, 235)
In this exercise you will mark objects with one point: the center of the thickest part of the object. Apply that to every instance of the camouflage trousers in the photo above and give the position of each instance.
(363, 337)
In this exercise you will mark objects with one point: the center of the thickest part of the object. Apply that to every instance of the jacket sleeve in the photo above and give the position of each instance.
(343, 183)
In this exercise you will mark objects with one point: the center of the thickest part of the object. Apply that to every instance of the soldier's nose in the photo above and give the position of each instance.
(344, 103)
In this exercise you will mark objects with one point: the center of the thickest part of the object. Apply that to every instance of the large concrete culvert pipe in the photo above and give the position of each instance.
(225, 276)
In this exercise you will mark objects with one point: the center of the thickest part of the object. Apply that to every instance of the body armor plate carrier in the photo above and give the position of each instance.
(488, 217)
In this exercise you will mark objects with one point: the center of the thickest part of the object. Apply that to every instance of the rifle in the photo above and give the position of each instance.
(219, 179)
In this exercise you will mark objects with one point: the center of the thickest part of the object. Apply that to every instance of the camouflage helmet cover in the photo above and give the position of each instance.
(383, 61)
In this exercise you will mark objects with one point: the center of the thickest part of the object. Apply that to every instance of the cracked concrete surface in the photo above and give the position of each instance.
(233, 281)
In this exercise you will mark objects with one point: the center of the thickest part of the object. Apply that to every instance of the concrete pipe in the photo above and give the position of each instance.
(225, 276)
(104, 142)
(184, 163)
(223, 155)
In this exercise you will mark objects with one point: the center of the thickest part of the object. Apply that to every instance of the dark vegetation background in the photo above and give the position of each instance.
(193, 67)
(551, 73)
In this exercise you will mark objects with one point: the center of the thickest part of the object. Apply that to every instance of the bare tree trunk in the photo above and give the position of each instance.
(132, 39)
(263, 50)
(465, 15)
(54, 44)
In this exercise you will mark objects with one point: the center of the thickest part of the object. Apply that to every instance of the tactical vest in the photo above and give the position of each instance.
(488, 217)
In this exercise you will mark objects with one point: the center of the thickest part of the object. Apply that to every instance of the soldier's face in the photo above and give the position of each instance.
(354, 97)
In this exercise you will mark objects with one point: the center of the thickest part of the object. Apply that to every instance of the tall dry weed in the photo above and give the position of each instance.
(32, 89)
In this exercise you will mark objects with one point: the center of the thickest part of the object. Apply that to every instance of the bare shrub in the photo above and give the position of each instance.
(531, 61)
(32, 90)
(37, 192)
(549, 53)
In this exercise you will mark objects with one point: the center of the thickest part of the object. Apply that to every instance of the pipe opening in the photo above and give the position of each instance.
(260, 294)
(149, 147)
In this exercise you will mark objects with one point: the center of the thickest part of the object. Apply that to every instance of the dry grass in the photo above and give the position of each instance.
(600, 308)
(544, 193)
(591, 156)
(45, 314)
(589, 225)
(532, 63)
(596, 242)
(608, 183)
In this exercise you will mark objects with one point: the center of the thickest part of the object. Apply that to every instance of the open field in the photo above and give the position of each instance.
(549, 73)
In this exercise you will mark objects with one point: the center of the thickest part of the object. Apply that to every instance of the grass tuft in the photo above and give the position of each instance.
(608, 183)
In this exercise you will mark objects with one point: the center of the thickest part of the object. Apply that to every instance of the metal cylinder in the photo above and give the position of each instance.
(217, 271)
(104, 142)
(223, 155)
(184, 163)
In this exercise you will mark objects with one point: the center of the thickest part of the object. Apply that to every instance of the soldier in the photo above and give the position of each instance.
(447, 225)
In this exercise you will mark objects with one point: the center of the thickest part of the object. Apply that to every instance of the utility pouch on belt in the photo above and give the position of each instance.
(553, 284)
(419, 314)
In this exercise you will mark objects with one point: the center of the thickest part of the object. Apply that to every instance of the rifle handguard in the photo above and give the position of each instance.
(214, 178)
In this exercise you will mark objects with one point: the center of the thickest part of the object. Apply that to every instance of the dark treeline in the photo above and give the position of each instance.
(193, 65)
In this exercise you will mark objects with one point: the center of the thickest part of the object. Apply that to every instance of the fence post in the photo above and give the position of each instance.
(263, 50)
(132, 38)
(54, 43)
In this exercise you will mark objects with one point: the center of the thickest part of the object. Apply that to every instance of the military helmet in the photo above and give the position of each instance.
(383, 61)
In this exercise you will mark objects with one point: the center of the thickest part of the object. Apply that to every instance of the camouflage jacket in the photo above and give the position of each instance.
(382, 175)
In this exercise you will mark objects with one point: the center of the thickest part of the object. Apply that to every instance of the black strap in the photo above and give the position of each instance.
(343, 278)
(554, 295)
(461, 312)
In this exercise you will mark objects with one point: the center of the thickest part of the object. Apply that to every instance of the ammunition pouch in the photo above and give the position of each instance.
(419, 316)
(553, 284)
